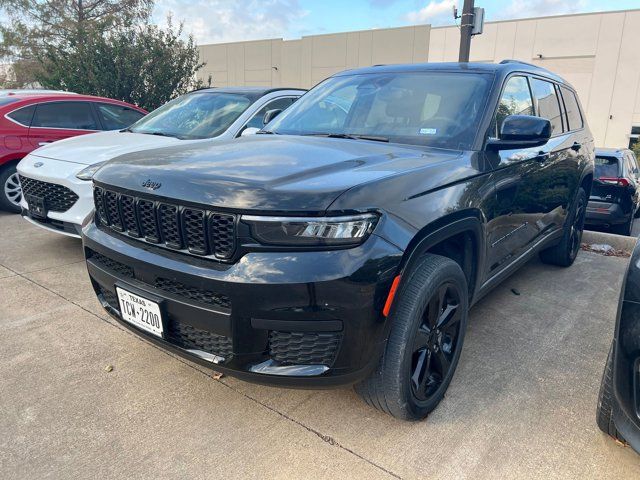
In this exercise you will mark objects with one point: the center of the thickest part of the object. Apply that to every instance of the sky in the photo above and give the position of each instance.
(216, 21)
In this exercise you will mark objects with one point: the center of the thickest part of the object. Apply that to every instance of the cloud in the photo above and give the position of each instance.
(538, 8)
(435, 12)
(216, 21)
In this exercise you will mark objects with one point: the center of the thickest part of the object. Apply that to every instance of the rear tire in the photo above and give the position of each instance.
(604, 411)
(428, 323)
(625, 228)
(564, 253)
(10, 191)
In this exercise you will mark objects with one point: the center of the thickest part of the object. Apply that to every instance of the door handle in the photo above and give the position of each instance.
(576, 146)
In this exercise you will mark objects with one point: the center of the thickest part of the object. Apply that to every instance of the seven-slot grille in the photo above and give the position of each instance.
(58, 198)
(193, 230)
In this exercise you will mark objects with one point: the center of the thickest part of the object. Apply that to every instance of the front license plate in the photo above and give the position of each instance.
(36, 206)
(140, 311)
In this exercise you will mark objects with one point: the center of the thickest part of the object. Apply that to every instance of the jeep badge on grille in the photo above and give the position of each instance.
(151, 185)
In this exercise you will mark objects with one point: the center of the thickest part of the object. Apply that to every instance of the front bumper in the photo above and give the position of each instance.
(605, 214)
(60, 173)
(299, 319)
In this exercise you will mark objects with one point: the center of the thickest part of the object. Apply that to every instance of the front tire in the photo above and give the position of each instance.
(604, 411)
(564, 253)
(10, 190)
(428, 323)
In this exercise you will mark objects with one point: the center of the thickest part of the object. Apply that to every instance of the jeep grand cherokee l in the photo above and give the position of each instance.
(346, 243)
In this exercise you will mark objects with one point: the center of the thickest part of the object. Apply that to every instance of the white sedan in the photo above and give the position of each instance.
(56, 178)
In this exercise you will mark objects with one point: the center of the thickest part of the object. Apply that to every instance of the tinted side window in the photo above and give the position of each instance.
(72, 115)
(515, 100)
(117, 117)
(631, 163)
(23, 115)
(277, 104)
(573, 110)
(547, 104)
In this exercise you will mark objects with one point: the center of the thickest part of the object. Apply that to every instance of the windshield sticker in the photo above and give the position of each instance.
(428, 131)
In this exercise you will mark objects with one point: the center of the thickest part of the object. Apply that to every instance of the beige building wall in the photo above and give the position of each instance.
(598, 53)
(305, 62)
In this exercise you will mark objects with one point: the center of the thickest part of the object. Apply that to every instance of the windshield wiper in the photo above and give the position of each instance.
(266, 132)
(161, 134)
(350, 136)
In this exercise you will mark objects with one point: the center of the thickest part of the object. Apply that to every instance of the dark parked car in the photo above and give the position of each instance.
(618, 412)
(615, 195)
(346, 242)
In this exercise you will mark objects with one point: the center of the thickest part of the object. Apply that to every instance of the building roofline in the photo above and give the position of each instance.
(545, 17)
(432, 27)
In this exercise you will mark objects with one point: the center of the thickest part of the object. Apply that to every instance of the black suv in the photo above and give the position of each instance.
(346, 243)
(615, 195)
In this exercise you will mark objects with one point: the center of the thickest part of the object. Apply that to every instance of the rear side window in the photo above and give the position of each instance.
(515, 100)
(547, 104)
(631, 163)
(23, 115)
(71, 115)
(573, 110)
(607, 167)
(117, 117)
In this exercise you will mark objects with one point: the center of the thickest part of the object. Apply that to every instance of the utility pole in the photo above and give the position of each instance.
(466, 29)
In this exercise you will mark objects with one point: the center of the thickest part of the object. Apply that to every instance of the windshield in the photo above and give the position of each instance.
(440, 109)
(193, 116)
(607, 167)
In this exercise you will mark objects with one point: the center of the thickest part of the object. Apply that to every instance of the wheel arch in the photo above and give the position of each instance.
(10, 161)
(586, 182)
(459, 236)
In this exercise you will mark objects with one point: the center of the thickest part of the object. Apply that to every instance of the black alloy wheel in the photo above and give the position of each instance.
(428, 320)
(566, 250)
(435, 342)
(577, 225)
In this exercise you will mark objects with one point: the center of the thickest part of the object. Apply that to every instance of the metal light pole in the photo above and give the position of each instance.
(466, 29)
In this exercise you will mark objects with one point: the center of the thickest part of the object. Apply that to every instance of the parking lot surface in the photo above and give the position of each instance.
(521, 405)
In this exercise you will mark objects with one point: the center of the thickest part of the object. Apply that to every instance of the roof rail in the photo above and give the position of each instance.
(538, 67)
(510, 60)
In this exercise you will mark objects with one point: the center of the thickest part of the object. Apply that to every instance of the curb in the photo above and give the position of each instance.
(619, 242)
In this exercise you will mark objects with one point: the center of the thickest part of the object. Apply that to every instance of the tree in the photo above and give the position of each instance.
(141, 64)
(99, 47)
(636, 149)
(30, 26)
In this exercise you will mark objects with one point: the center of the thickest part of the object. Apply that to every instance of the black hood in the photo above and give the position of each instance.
(264, 173)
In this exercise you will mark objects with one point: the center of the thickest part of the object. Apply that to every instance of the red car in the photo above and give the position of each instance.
(28, 121)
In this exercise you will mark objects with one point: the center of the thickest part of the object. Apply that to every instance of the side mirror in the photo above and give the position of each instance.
(249, 131)
(270, 115)
(521, 131)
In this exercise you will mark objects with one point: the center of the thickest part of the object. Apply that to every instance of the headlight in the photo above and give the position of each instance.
(311, 231)
(89, 172)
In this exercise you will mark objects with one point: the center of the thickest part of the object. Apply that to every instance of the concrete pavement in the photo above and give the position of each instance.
(521, 405)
